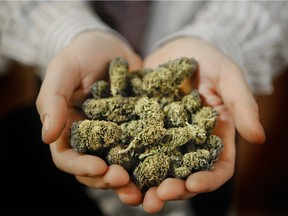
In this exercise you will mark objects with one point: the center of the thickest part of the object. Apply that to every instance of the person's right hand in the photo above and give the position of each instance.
(66, 84)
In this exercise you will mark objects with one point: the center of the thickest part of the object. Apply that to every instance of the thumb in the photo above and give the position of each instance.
(240, 101)
(53, 98)
(53, 115)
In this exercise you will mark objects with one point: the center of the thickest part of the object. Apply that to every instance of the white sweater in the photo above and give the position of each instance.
(254, 34)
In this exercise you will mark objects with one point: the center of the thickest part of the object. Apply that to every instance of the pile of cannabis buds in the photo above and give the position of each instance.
(141, 121)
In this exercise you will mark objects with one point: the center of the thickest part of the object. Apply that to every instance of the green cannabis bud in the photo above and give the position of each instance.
(149, 111)
(197, 160)
(100, 89)
(131, 129)
(192, 102)
(135, 85)
(206, 117)
(117, 109)
(214, 145)
(175, 114)
(141, 121)
(152, 171)
(125, 160)
(90, 135)
(118, 73)
(167, 77)
(147, 137)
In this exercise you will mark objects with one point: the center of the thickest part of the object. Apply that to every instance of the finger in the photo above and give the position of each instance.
(52, 101)
(173, 189)
(207, 181)
(151, 202)
(53, 116)
(115, 177)
(239, 99)
(222, 170)
(74, 163)
(129, 194)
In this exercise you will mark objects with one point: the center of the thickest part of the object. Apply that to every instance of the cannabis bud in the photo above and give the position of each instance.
(141, 121)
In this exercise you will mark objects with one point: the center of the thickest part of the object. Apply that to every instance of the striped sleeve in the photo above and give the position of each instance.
(253, 33)
(32, 32)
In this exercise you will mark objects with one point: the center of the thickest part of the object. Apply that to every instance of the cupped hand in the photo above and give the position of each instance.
(70, 74)
(222, 85)
(66, 85)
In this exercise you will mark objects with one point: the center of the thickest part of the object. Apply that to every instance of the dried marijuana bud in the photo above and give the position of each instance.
(181, 172)
(147, 137)
(214, 145)
(131, 129)
(126, 160)
(198, 134)
(177, 170)
(167, 77)
(118, 72)
(100, 89)
(181, 67)
(149, 111)
(152, 171)
(198, 160)
(206, 117)
(164, 100)
(142, 121)
(175, 114)
(116, 109)
(90, 135)
(160, 80)
(136, 82)
(192, 102)
(177, 137)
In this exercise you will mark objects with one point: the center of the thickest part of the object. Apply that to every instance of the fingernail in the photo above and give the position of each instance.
(46, 122)
(46, 126)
